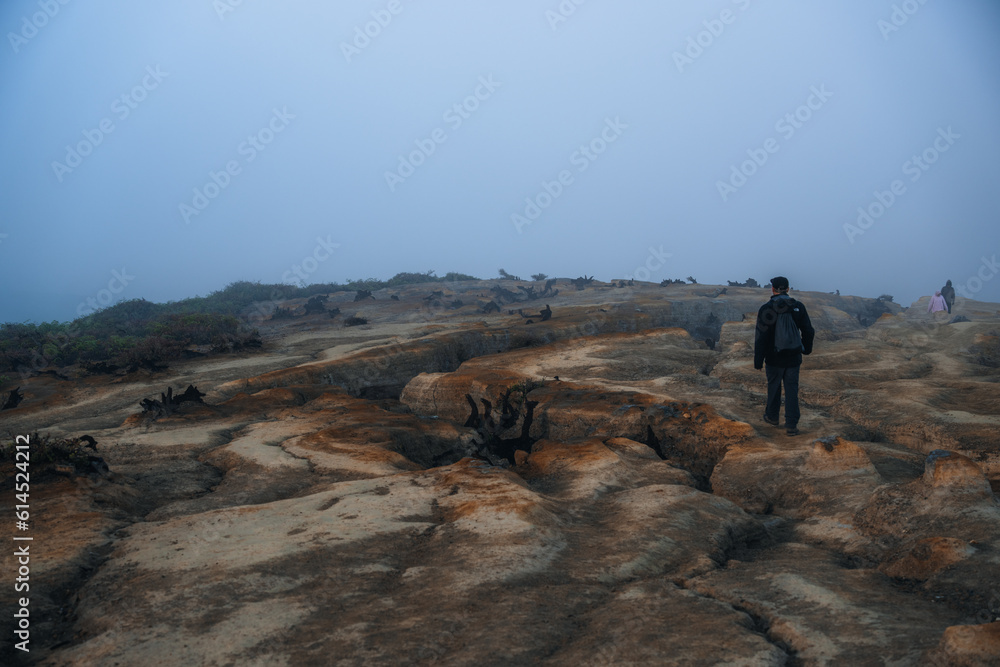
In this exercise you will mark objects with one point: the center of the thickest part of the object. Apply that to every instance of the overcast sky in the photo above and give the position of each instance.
(163, 150)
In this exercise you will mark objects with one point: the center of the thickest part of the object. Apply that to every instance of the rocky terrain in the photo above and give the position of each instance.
(446, 486)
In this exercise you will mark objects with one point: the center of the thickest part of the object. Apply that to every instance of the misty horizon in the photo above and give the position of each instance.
(166, 152)
(107, 296)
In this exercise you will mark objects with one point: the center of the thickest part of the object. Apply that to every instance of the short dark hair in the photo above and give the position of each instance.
(780, 283)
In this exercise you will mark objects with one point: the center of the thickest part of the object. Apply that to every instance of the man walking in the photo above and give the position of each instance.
(784, 333)
(948, 292)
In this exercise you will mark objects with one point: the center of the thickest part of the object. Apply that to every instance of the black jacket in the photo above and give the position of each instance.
(767, 317)
(948, 292)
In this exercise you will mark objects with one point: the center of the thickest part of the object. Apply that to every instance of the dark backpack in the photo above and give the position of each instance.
(786, 331)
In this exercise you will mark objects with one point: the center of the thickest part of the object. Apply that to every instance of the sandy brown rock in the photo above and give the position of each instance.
(823, 478)
(590, 468)
(926, 557)
(953, 473)
(968, 646)
(943, 534)
(336, 501)
(830, 615)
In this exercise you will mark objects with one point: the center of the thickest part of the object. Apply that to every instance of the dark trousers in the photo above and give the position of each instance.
(789, 376)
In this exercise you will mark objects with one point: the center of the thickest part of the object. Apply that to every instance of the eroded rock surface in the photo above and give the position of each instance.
(441, 486)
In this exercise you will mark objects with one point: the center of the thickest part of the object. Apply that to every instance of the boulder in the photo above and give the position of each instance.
(969, 646)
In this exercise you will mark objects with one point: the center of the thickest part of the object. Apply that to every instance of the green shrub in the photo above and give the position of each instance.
(129, 335)
(47, 451)
(137, 332)
(452, 277)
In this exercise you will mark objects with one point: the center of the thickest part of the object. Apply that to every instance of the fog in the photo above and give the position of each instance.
(164, 150)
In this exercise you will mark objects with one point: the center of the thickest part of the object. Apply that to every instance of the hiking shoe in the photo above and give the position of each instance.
(772, 422)
(792, 431)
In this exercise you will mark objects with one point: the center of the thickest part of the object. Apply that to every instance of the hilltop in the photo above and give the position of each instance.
(425, 478)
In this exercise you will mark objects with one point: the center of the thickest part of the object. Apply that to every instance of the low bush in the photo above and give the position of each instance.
(47, 452)
(128, 336)
(141, 334)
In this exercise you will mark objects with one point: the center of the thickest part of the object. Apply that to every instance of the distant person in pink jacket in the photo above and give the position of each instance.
(937, 303)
